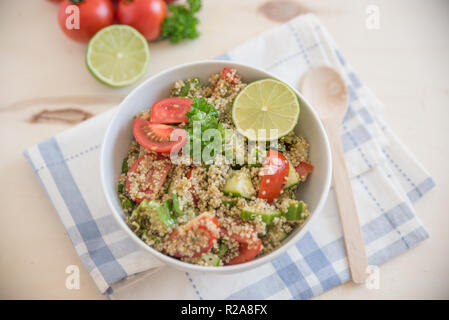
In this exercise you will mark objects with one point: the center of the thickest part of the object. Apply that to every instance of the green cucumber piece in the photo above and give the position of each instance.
(211, 259)
(176, 205)
(239, 184)
(295, 211)
(229, 203)
(277, 234)
(163, 212)
(267, 217)
(292, 178)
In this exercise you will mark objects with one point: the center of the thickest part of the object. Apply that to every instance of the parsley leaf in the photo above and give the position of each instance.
(204, 114)
(181, 23)
(189, 85)
(194, 5)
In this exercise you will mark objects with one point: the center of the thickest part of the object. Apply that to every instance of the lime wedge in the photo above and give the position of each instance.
(118, 55)
(265, 110)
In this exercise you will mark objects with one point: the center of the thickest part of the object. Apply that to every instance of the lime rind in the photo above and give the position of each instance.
(104, 48)
(252, 97)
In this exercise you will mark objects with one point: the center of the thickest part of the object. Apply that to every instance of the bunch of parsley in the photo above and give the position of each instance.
(181, 23)
(207, 116)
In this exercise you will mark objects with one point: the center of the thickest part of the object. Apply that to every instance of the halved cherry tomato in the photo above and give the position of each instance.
(170, 110)
(157, 137)
(192, 189)
(274, 174)
(203, 225)
(154, 178)
(304, 168)
(246, 254)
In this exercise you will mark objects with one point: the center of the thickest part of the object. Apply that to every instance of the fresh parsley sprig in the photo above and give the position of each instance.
(204, 114)
(181, 23)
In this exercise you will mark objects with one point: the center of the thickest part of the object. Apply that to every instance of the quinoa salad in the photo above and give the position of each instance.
(218, 211)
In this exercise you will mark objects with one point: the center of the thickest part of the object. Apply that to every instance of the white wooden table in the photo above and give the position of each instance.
(405, 63)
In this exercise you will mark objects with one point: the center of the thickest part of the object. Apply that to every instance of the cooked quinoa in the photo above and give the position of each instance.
(206, 216)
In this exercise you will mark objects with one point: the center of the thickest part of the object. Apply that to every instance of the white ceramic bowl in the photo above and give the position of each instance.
(119, 134)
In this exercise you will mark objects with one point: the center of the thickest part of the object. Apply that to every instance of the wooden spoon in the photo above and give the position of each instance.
(326, 91)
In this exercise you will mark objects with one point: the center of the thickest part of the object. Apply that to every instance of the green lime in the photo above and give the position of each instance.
(265, 110)
(118, 55)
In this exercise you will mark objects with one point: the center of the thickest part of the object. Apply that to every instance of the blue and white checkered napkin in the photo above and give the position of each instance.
(386, 180)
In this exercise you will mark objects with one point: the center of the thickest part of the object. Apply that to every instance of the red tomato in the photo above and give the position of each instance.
(93, 16)
(170, 110)
(144, 15)
(154, 184)
(192, 190)
(303, 169)
(158, 137)
(203, 225)
(274, 174)
(227, 74)
(246, 254)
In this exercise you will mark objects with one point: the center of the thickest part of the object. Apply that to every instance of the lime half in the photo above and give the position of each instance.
(118, 55)
(265, 110)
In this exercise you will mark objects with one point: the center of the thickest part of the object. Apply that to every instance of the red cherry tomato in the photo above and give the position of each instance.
(158, 137)
(274, 174)
(144, 15)
(304, 168)
(154, 184)
(192, 190)
(248, 251)
(85, 18)
(203, 226)
(227, 74)
(230, 79)
(170, 110)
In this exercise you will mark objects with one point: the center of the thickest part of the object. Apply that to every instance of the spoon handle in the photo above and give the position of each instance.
(355, 245)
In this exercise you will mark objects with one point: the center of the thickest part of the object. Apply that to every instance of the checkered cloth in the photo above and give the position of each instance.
(386, 180)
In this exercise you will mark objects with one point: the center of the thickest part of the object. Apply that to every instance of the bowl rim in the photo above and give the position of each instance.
(212, 269)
